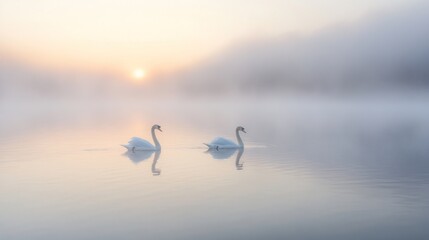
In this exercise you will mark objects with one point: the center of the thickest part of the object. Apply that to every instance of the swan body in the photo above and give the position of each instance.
(223, 143)
(139, 144)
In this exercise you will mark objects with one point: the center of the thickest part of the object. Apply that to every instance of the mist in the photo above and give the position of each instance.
(386, 51)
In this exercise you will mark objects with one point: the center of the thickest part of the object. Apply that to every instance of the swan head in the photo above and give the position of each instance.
(239, 128)
(157, 127)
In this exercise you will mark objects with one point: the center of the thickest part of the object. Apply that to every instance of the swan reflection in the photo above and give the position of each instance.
(221, 153)
(139, 156)
(239, 165)
(156, 171)
(227, 153)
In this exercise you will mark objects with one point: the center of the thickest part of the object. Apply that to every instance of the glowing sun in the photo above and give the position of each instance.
(139, 74)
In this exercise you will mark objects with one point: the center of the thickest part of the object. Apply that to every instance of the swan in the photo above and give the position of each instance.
(139, 144)
(221, 143)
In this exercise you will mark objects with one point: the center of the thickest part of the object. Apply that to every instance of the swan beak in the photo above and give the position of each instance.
(244, 131)
(159, 129)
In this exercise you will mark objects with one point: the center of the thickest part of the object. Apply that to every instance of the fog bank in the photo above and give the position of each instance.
(385, 51)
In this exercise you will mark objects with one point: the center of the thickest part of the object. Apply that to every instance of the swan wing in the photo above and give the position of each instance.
(140, 143)
(222, 142)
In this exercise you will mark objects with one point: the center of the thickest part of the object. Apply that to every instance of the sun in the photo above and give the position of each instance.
(139, 74)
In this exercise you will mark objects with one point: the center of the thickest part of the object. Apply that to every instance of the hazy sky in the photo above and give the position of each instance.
(121, 35)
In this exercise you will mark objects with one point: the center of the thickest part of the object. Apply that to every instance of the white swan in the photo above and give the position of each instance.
(139, 144)
(221, 143)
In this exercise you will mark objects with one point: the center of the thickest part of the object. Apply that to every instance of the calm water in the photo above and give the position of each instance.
(310, 170)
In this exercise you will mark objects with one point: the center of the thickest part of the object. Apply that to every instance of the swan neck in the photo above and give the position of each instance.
(155, 140)
(240, 142)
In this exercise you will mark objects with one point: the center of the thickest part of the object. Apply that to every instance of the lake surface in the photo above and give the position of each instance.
(311, 169)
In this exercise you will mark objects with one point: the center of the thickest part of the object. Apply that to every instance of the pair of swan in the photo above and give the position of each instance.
(139, 144)
(140, 149)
